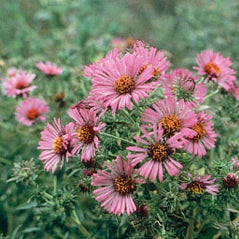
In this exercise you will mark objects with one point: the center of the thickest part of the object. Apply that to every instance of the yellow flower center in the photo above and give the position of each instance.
(158, 152)
(32, 113)
(124, 185)
(196, 187)
(124, 85)
(212, 69)
(58, 144)
(199, 128)
(86, 134)
(156, 72)
(170, 124)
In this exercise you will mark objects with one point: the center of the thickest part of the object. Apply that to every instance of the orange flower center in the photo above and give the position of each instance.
(212, 69)
(199, 128)
(156, 72)
(196, 187)
(58, 144)
(124, 85)
(33, 113)
(170, 124)
(124, 185)
(21, 85)
(158, 152)
(86, 134)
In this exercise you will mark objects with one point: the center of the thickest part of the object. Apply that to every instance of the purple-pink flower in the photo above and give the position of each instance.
(87, 128)
(49, 68)
(31, 110)
(217, 68)
(116, 187)
(199, 184)
(158, 153)
(174, 117)
(117, 82)
(57, 144)
(19, 84)
(205, 137)
(181, 84)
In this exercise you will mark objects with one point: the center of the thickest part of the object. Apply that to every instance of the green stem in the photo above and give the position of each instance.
(128, 116)
(212, 94)
(190, 229)
(55, 184)
(116, 137)
(82, 229)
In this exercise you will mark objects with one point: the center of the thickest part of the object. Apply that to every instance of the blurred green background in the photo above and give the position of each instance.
(73, 33)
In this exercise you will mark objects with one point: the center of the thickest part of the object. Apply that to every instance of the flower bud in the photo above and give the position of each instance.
(142, 210)
(231, 180)
(188, 83)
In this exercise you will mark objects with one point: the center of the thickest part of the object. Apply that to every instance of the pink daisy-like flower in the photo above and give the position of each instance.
(205, 137)
(234, 91)
(49, 68)
(116, 187)
(87, 128)
(181, 84)
(216, 67)
(174, 117)
(150, 57)
(31, 110)
(118, 82)
(200, 184)
(19, 85)
(57, 143)
(158, 151)
(89, 71)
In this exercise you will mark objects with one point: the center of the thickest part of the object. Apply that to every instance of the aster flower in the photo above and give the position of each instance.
(31, 110)
(11, 72)
(57, 143)
(200, 184)
(158, 152)
(116, 187)
(87, 127)
(205, 136)
(181, 84)
(216, 67)
(231, 180)
(174, 117)
(118, 82)
(234, 91)
(49, 68)
(19, 85)
(150, 57)
(122, 44)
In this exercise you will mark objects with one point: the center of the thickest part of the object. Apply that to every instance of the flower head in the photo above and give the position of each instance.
(157, 152)
(181, 84)
(150, 57)
(87, 128)
(231, 180)
(199, 184)
(19, 84)
(216, 67)
(117, 82)
(116, 187)
(174, 117)
(205, 137)
(31, 110)
(49, 68)
(235, 163)
(57, 143)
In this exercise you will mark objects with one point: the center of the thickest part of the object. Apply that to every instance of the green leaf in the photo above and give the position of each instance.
(27, 205)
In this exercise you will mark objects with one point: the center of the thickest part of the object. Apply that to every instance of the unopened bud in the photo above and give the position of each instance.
(142, 210)
(231, 180)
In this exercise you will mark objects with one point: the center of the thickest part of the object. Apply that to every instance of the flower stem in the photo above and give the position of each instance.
(212, 94)
(127, 116)
(116, 137)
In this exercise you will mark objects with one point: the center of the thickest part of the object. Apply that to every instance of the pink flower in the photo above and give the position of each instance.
(19, 85)
(158, 152)
(234, 91)
(117, 82)
(200, 184)
(235, 163)
(116, 187)
(150, 57)
(57, 143)
(11, 72)
(31, 110)
(181, 84)
(89, 71)
(216, 68)
(49, 68)
(205, 137)
(87, 128)
(174, 117)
